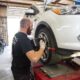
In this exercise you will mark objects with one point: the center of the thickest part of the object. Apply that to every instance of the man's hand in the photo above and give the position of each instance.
(34, 56)
(42, 44)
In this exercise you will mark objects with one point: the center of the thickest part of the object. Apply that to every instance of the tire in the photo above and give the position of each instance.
(1, 50)
(50, 42)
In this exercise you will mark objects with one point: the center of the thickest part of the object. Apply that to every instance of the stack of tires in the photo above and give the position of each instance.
(2, 45)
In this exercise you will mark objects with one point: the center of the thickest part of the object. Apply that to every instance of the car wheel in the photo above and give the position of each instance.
(47, 36)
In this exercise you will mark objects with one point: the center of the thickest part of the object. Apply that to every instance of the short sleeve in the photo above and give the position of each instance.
(25, 44)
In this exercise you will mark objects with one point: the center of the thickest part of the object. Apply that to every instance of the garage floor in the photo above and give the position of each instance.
(5, 64)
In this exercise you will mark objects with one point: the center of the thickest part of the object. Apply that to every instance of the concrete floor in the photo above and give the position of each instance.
(5, 65)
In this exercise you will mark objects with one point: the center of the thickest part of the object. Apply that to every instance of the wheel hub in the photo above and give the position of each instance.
(45, 38)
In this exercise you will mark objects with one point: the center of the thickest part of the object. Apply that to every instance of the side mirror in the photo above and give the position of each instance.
(32, 11)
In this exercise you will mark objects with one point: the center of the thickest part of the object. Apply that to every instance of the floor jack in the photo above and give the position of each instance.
(65, 70)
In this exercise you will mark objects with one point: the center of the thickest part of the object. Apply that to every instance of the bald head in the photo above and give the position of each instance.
(25, 22)
(26, 25)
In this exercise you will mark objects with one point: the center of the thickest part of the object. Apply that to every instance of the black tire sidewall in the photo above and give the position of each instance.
(52, 43)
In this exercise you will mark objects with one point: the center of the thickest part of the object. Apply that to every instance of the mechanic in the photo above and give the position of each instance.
(23, 53)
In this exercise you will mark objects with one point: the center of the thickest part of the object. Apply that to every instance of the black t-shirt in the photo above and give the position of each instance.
(20, 46)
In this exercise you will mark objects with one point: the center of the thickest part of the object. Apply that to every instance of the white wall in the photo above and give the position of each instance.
(13, 27)
(13, 21)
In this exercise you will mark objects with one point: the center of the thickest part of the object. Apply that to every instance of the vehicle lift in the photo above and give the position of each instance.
(64, 70)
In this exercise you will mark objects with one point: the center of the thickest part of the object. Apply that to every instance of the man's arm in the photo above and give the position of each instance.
(34, 56)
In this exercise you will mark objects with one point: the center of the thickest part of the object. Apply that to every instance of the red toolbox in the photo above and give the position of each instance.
(40, 75)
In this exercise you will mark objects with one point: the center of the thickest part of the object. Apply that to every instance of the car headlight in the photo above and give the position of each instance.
(67, 10)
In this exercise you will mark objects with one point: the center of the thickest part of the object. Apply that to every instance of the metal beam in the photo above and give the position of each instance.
(22, 3)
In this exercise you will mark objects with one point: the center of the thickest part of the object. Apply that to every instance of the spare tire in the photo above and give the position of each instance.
(48, 37)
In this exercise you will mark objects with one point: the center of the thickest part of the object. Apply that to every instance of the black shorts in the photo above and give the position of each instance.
(22, 76)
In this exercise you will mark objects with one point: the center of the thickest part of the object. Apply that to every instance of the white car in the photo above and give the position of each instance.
(59, 26)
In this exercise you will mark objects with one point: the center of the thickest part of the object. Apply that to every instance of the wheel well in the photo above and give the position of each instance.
(38, 28)
(43, 25)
